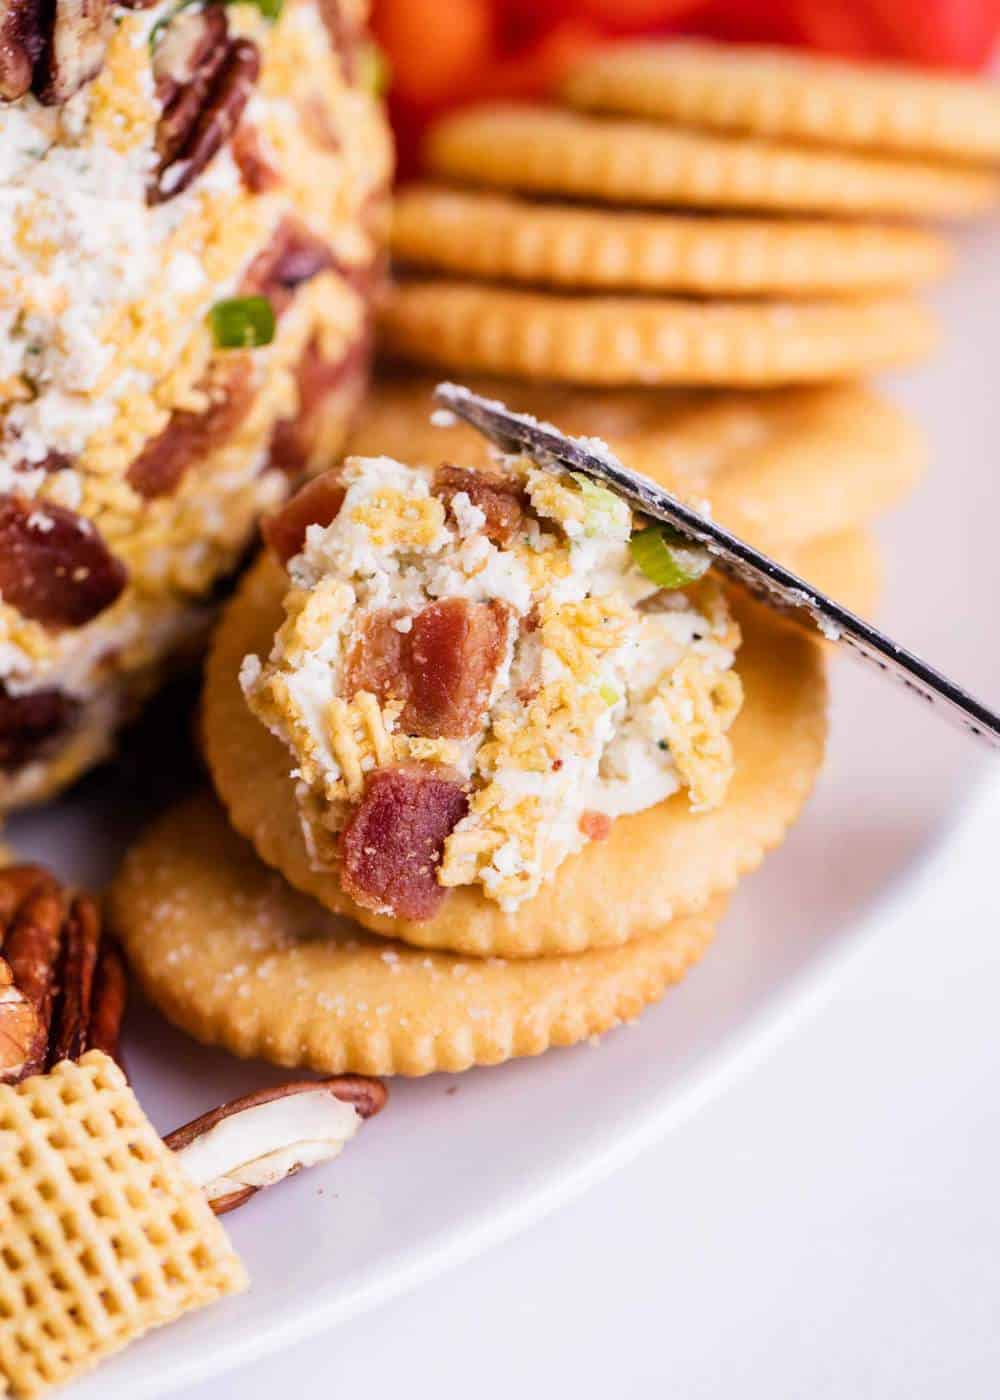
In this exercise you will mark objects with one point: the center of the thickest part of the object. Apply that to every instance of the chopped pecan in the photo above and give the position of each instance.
(20, 1028)
(74, 49)
(203, 81)
(21, 43)
(32, 940)
(392, 843)
(54, 566)
(264, 1137)
(107, 1002)
(81, 937)
(55, 962)
(30, 722)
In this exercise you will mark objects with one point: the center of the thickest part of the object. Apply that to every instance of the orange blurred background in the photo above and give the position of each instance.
(441, 53)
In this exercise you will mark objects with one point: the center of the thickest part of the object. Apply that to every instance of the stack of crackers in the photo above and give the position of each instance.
(701, 282)
(698, 215)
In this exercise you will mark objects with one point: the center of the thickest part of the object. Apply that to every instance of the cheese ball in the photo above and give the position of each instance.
(191, 232)
(478, 671)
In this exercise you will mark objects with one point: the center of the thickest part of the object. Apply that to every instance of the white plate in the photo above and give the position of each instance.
(459, 1162)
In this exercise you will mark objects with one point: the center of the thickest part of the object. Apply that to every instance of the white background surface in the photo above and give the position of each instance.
(830, 1224)
(828, 1227)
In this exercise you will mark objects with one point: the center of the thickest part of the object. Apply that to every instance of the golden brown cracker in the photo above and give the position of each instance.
(656, 865)
(779, 467)
(102, 1236)
(480, 234)
(231, 954)
(618, 161)
(793, 96)
(640, 340)
(847, 567)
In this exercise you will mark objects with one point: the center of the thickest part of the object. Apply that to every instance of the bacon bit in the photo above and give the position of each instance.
(377, 658)
(29, 722)
(442, 669)
(294, 255)
(456, 648)
(256, 171)
(318, 503)
(392, 843)
(54, 566)
(317, 123)
(296, 441)
(596, 826)
(189, 437)
(500, 500)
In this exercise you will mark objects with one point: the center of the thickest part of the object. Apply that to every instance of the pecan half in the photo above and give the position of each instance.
(32, 939)
(19, 1028)
(74, 49)
(264, 1137)
(203, 82)
(20, 46)
(62, 985)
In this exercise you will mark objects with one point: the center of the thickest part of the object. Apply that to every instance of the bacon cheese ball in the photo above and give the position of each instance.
(191, 207)
(479, 670)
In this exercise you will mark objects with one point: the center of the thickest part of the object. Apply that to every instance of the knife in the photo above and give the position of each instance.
(767, 580)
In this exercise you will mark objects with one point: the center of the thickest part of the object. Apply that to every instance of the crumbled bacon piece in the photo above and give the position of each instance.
(29, 722)
(256, 171)
(318, 503)
(54, 566)
(294, 255)
(392, 842)
(443, 668)
(500, 500)
(596, 826)
(189, 437)
(296, 441)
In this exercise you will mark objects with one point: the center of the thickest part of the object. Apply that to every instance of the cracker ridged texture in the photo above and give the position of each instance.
(794, 96)
(102, 1236)
(232, 955)
(655, 865)
(621, 161)
(779, 467)
(479, 234)
(643, 340)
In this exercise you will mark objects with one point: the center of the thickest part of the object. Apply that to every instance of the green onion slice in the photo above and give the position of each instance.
(604, 513)
(242, 323)
(666, 558)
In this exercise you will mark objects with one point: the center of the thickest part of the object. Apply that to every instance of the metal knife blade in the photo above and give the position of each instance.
(773, 584)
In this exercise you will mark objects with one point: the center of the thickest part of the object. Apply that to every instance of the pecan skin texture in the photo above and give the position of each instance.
(204, 86)
(367, 1096)
(73, 50)
(21, 42)
(62, 984)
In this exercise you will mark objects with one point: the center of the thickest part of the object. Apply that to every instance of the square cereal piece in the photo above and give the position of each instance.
(101, 1234)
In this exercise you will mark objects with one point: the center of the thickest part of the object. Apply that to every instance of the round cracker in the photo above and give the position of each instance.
(235, 957)
(794, 96)
(779, 467)
(548, 151)
(618, 340)
(656, 865)
(847, 567)
(476, 234)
